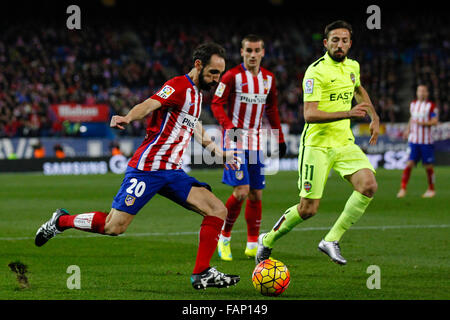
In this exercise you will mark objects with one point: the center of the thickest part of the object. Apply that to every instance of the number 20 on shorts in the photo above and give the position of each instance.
(139, 187)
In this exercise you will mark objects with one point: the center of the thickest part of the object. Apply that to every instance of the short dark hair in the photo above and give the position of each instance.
(205, 50)
(252, 38)
(337, 25)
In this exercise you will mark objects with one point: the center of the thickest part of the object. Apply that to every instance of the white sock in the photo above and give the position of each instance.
(222, 238)
(252, 245)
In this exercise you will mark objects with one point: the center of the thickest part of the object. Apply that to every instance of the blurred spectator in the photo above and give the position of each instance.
(115, 148)
(123, 63)
(59, 151)
(38, 150)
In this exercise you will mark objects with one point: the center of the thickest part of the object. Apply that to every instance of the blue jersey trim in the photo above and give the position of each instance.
(156, 137)
(190, 80)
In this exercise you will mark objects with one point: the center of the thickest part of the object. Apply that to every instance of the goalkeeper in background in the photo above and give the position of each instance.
(327, 142)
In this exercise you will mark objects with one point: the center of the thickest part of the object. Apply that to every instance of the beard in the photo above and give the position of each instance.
(205, 85)
(337, 58)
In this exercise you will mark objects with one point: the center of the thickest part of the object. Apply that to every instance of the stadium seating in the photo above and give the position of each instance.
(122, 65)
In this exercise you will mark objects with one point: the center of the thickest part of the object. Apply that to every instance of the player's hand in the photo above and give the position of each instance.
(231, 160)
(358, 111)
(374, 128)
(119, 122)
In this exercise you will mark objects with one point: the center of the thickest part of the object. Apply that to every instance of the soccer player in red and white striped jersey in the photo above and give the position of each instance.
(247, 91)
(173, 114)
(424, 115)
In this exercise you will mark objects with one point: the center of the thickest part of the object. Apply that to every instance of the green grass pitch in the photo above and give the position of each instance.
(408, 239)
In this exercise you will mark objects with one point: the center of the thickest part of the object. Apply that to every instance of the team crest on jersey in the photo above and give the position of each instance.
(307, 186)
(165, 92)
(239, 174)
(309, 86)
(266, 84)
(352, 77)
(220, 89)
(129, 200)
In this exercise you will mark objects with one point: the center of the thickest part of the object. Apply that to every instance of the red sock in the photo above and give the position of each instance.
(253, 212)
(405, 177)
(430, 178)
(234, 209)
(209, 236)
(91, 222)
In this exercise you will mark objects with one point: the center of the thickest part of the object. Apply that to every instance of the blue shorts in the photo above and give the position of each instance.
(138, 187)
(251, 171)
(424, 152)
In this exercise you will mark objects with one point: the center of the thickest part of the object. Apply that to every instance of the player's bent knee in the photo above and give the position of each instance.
(241, 192)
(255, 195)
(307, 214)
(307, 210)
(369, 188)
(220, 211)
(114, 229)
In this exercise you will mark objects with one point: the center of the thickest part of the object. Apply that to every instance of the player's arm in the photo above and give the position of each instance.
(220, 99)
(312, 113)
(362, 96)
(205, 140)
(273, 117)
(407, 130)
(138, 112)
(312, 94)
(432, 122)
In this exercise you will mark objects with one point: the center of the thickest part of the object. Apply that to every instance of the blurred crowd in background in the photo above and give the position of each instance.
(123, 64)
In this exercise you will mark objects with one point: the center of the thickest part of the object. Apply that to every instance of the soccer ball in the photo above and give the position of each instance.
(271, 277)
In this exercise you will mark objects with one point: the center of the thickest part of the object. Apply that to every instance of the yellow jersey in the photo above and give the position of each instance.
(332, 84)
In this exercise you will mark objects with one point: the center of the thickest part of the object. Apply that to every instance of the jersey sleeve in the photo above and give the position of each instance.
(434, 112)
(312, 85)
(171, 94)
(220, 100)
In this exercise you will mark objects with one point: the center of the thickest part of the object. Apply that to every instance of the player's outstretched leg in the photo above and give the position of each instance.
(266, 241)
(354, 208)
(48, 230)
(91, 222)
(365, 187)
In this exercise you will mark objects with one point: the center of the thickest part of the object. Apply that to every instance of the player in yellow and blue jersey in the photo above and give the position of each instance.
(327, 142)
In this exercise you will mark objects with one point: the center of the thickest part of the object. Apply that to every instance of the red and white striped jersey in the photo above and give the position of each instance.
(170, 127)
(246, 97)
(421, 111)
